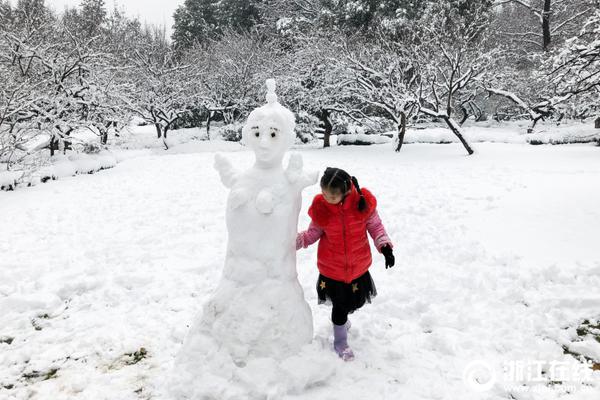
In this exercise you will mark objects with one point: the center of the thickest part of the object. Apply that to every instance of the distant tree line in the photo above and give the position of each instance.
(380, 63)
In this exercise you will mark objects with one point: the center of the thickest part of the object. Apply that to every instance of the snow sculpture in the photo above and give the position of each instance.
(258, 311)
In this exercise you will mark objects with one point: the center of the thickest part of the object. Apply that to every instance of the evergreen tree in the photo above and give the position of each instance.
(6, 13)
(31, 14)
(194, 22)
(93, 15)
(197, 21)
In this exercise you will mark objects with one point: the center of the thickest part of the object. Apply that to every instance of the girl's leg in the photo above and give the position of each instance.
(339, 317)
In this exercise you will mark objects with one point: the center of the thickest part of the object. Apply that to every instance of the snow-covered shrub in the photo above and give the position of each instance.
(91, 148)
(361, 135)
(345, 127)
(195, 117)
(9, 180)
(340, 126)
(306, 127)
(232, 132)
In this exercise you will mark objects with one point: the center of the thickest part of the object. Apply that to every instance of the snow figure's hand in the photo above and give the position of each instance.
(238, 197)
(295, 175)
(225, 169)
(308, 179)
(294, 168)
(264, 202)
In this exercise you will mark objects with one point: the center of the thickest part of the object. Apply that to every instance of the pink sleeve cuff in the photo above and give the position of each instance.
(382, 241)
(309, 236)
(299, 241)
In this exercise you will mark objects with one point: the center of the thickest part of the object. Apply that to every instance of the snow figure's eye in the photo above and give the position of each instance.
(257, 134)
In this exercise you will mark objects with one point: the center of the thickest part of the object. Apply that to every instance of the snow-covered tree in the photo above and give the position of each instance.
(160, 89)
(311, 80)
(382, 78)
(450, 57)
(542, 23)
(575, 69)
(55, 86)
(567, 81)
(236, 65)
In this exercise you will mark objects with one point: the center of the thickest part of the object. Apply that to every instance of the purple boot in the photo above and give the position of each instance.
(340, 342)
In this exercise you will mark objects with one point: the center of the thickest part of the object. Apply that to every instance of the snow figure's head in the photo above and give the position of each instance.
(269, 130)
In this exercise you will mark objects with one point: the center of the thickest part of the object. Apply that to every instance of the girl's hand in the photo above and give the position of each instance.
(389, 256)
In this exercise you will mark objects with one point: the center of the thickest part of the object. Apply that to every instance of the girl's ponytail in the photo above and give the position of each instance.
(362, 203)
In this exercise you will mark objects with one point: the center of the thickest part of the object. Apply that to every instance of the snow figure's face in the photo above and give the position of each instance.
(269, 132)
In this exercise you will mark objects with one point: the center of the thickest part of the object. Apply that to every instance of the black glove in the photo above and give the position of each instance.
(389, 256)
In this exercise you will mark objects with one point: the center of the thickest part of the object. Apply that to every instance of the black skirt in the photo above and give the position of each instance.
(349, 296)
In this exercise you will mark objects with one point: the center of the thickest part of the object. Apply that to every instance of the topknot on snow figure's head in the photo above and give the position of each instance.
(271, 95)
(269, 130)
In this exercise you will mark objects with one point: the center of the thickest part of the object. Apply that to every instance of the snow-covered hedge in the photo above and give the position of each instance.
(361, 135)
(361, 139)
(507, 133)
(60, 166)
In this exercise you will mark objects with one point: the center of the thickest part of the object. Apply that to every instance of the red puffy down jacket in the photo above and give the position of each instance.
(344, 252)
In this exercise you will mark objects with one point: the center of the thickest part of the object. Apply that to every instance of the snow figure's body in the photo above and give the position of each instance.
(258, 316)
(259, 307)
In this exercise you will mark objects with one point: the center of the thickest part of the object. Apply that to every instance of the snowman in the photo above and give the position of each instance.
(258, 310)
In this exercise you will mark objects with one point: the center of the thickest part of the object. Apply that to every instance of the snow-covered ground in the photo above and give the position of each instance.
(497, 265)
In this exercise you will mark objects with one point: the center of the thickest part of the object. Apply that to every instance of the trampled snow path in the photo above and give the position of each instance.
(496, 257)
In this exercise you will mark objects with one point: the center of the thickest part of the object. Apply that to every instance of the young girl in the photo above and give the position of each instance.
(341, 217)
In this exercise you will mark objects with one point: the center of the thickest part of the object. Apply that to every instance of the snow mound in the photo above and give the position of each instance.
(60, 166)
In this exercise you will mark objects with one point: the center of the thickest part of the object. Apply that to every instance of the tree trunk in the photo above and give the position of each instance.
(465, 115)
(104, 132)
(210, 114)
(164, 138)
(401, 131)
(324, 117)
(533, 123)
(455, 128)
(67, 143)
(53, 146)
(597, 123)
(546, 23)
(158, 130)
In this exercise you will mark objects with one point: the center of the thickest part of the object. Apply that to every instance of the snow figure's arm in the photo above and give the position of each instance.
(294, 173)
(309, 236)
(226, 171)
(377, 231)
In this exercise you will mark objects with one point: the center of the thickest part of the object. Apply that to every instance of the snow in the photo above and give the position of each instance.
(495, 255)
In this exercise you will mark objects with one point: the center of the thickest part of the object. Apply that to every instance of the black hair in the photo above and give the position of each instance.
(338, 180)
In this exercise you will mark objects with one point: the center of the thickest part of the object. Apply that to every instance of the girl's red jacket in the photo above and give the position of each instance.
(344, 252)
